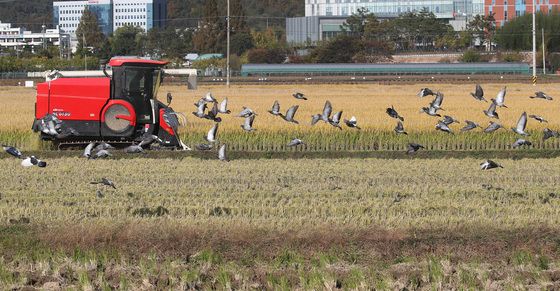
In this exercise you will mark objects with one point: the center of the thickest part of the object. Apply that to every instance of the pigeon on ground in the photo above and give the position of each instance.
(105, 182)
(521, 142)
(248, 124)
(425, 92)
(413, 147)
(133, 149)
(290, 114)
(275, 110)
(147, 139)
(211, 136)
(541, 95)
(104, 146)
(443, 127)
(335, 121)
(393, 113)
(470, 125)
(99, 194)
(493, 126)
(222, 154)
(33, 161)
(479, 93)
(352, 122)
(491, 112)
(521, 125)
(101, 154)
(436, 103)
(300, 96)
(295, 142)
(223, 107)
(89, 149)
(489, 164)
(538, 118)
(204, 147)
(399, 129)
(246, 112)
(431, 111)
(500, 98)
(449, 120)
(12, 151)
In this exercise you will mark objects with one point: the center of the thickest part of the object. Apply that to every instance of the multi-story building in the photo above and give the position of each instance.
(505, 10)
(394, 8)
(18, 38)
(111, 14)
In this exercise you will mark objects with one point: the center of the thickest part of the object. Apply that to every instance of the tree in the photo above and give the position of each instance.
(340, 49)
(266, 56)
(237, 22)
(170, 42)
(483, 27)
(265, 39)
(211, 33)
(88, 30)
(126, 41)
(516, 33)
(356, 23)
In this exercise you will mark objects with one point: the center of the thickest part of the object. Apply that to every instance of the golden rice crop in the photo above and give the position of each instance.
(288, 193)
(365, 101)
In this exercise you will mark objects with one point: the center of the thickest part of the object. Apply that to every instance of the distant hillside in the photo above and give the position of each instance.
(33, 13)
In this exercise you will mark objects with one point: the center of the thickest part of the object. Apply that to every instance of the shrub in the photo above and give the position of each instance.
(266, 56)
(471, 56)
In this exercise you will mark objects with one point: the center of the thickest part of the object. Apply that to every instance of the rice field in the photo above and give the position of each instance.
(365, 101)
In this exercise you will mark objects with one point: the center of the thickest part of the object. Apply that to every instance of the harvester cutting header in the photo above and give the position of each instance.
(120, 108)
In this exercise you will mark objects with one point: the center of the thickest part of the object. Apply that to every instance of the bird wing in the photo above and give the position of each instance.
(522, 122)
(337, 116)
(479, 92)
(248, 122)
(315, 118)
(212, 132)
(201, 108)
(222, 153)
(438, 100)
(223, 105)
(492, 108)
(400, 126)
(276, 107)
(327, 110)
(291, 112)
(214, 110)
(353, 119)
(500, 98)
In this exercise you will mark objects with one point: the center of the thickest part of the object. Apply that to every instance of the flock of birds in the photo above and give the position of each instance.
(99, 150)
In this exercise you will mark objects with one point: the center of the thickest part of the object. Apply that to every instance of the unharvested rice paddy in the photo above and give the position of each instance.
(365, 101)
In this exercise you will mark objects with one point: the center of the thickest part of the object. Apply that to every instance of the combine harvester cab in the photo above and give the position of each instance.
(118, 108)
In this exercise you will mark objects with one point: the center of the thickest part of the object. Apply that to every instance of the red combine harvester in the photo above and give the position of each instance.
(120, 108)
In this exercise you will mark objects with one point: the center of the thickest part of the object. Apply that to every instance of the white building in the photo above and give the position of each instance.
(111, 14)
(18, 38)
(388, 8)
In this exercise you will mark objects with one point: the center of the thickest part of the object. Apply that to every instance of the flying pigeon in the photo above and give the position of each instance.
(105, 182)
(209, 98)
(521, 125)
(211, 136)
(548, 133)
(538, 118)
(352, 122)
(491, 112)
(300, 96)
(520, 142)
(335, 121)
(479, 93)
(413, 147)
(500, 98)
(541, 95)
(425, 92)
(223, 107)
(213, 114)
(393, 113)
(436, 103)
(470, 125)
(275, 110)
(222, 154)
(248, 124)
(432, 111)
(493, 126)
(246, 112)
(290, 114)
(449, 120)
(200, 109)
(443, 127)
(295, 142)
(12, 151)
(399, 129)
(489, 164)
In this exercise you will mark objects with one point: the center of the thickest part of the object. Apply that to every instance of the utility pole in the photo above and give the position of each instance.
(84, 50)
(534, 45)
(44, 44)
(227, 57)
(543, 54)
